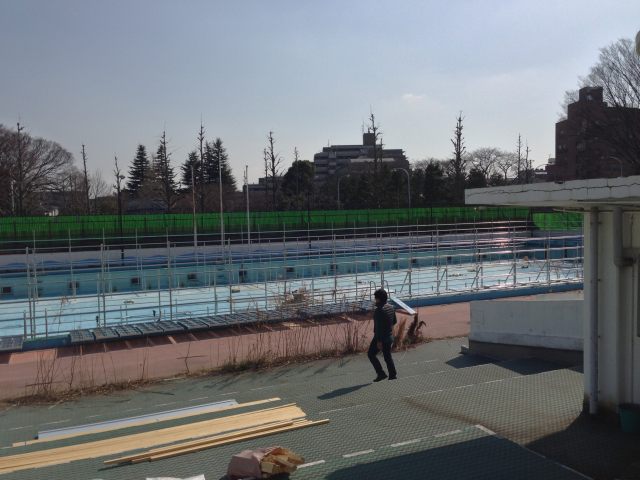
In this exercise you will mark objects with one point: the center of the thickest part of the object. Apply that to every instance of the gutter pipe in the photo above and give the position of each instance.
(618, 255)
(593, 311)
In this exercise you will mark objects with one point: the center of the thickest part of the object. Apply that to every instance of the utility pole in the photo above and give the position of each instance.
(221, 208)
(408, 185)
(246, 186)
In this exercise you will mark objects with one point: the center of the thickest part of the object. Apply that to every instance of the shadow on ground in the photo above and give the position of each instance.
(523, 366)
(341, 391)
(490, 458)
(596, 447)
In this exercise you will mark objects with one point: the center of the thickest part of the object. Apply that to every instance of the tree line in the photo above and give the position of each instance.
(434, 182)
(39, 176)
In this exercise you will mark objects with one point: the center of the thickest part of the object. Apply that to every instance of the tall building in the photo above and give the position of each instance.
(588, 139)
(344, 159)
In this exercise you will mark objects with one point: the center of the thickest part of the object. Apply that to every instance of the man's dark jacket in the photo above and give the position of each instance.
(383, 320)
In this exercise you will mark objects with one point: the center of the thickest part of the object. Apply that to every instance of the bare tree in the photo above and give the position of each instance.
(519, 159)
(273, 160)
(506, 164)
(570, 96)
(33, 166)
(377, 137)
(201, 172)
(7, 197)
(376, 182)
(618, 73)
(86, 179)
(98, 188)
(66, 192)
(265, 158)
(119, 178)
(485, 160)
(528, 163)
(458, 164)
(296, 159)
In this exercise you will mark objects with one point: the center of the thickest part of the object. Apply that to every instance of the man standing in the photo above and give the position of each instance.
(384, 318)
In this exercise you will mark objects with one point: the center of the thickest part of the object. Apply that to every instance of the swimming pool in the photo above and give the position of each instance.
(53, 294)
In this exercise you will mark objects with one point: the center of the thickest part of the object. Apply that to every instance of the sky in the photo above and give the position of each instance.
(115, 74)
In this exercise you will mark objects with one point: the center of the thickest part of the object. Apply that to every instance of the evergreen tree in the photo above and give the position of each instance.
(192, 161)
(215, 156)
(297, 182)
(138, 171)
(476, 179)
(434, 187)
(165, 174)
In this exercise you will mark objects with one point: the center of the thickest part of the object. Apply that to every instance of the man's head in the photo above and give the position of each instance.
(380, 296)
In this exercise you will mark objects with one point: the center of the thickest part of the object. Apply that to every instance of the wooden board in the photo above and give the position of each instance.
(112, 446)
(106, 428)
(196, 443)
(249, 436)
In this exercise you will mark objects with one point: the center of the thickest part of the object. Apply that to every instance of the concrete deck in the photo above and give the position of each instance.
(448, 416)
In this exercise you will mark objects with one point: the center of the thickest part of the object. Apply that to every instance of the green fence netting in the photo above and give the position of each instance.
(95, 226)
(565, 221)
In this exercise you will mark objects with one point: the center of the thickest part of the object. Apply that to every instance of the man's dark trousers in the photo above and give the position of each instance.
(386, 353)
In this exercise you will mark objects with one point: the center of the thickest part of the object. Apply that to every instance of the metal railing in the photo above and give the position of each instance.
(49, 293)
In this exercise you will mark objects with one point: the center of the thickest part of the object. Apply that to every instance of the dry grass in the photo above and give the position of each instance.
(270, 345)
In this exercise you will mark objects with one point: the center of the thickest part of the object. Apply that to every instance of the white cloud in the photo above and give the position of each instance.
(412, 98)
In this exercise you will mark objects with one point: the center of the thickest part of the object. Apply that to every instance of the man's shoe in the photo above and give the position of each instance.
(393, 377)
(380, 376)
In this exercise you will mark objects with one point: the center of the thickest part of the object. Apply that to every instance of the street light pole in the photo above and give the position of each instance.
(13, 200)
(221, 208)
(408, 184)
(246, 186)
(339, 180)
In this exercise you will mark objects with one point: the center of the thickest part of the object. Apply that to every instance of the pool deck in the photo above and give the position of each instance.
(448, 416)
(149, 358)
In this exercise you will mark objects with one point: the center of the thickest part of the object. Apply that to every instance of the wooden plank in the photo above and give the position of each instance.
(106, 428)
(214, 443)
(208, 441)
(194, 443)
(169, 435)
(111, 446)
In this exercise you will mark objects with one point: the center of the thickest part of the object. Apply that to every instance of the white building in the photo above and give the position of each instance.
(611, 276)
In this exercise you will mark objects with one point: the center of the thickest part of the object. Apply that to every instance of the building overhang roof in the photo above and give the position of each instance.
(572, 194)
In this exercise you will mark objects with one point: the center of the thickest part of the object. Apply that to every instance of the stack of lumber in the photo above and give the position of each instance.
(181, 439)
(280, 460)
(79, 430)
(215, 441)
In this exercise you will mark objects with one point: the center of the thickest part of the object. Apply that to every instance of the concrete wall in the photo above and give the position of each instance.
(542, 322)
